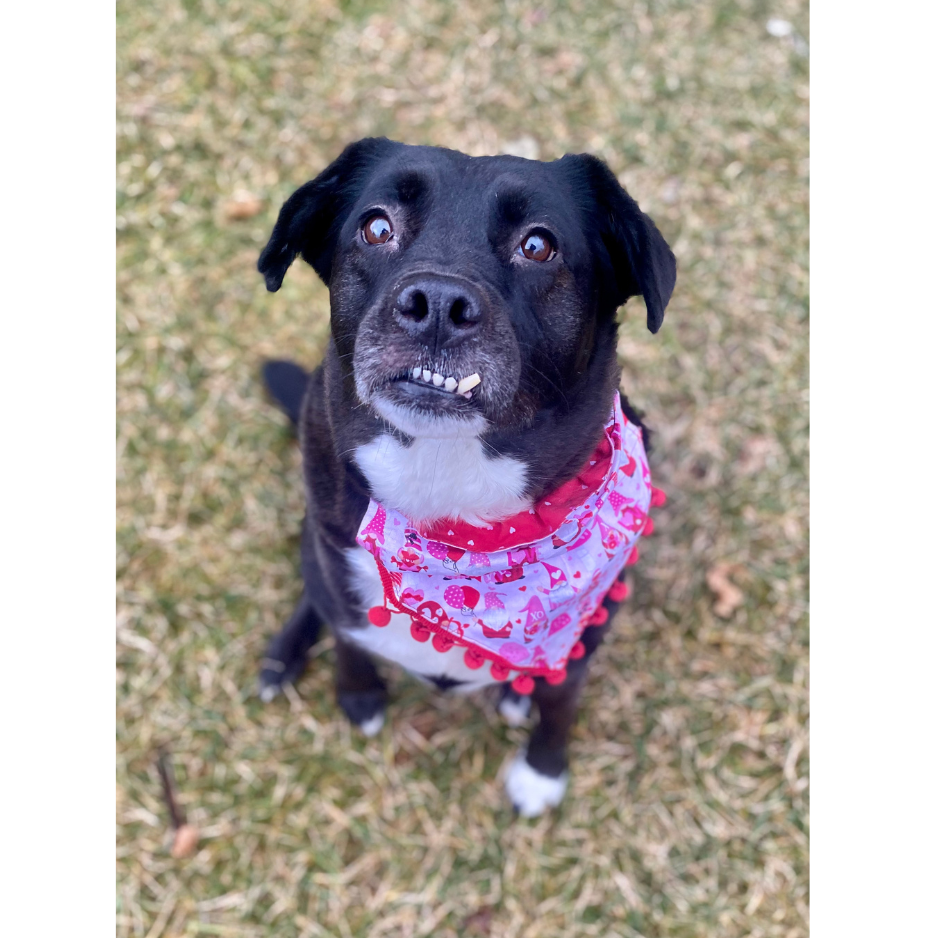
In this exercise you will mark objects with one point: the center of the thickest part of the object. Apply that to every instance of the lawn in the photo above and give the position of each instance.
(687, 811)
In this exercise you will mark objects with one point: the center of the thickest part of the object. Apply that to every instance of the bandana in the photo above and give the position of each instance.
(517, 594)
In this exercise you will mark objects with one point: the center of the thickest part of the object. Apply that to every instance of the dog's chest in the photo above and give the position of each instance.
(394, 642)
(431, 478)
(443, 478)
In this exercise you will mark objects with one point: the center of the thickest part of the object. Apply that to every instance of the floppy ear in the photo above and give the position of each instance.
(310, 219)
(639, 257)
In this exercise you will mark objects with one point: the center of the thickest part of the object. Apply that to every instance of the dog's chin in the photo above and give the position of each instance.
(427, 413)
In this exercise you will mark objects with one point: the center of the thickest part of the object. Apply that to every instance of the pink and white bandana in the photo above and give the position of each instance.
(519, 593)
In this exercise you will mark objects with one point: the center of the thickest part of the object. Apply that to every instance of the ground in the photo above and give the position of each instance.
(687, 808)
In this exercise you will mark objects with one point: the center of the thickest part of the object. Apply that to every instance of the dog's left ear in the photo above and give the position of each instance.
(639, 259)
(310, 219)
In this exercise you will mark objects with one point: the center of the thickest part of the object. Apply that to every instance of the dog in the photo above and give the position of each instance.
(471, 375)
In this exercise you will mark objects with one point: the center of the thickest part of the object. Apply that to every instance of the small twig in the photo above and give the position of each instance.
(186, 836)
(177, 816)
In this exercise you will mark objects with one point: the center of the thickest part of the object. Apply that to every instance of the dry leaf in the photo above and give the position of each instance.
(729, 597)
(185, 842)
(243, 205)
(755, 453)
(425, 723)
(479, 923)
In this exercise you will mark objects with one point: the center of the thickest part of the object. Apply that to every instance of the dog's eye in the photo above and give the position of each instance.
(536, 247)
(377, 230)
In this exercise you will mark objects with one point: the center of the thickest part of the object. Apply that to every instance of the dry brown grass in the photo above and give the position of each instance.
(687, 812)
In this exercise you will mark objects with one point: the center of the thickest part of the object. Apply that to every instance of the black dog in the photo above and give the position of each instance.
(469, 373)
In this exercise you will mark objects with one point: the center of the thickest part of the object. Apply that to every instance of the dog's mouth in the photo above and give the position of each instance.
(446, 388)
(431, 401)
(419, 380)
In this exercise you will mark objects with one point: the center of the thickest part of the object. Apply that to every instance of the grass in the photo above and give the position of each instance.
(687, 811)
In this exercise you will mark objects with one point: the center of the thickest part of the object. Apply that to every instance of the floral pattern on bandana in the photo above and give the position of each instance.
(520, 592)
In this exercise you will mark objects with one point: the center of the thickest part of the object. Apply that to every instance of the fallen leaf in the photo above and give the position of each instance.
(754, 454)
(243, 205)
(425, 723)
(729, 597)
(185, 842)
(479, 923)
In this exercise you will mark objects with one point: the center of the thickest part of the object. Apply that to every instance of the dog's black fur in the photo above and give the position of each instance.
(541, 334)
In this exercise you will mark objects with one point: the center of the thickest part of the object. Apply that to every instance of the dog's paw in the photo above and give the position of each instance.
(267, 690)
(515, 708)
(283, 663)
(373, 725)
(365, 709)
(530, 792)
(274, 674)
(272, 678)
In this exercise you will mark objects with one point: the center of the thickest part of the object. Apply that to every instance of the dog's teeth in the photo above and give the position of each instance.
(415, 373)
(468, 383)
(437, 379)
(427, 375)
(450, 384)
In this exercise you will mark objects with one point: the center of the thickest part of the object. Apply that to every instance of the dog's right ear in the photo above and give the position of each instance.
(639, 259)
(310, 219)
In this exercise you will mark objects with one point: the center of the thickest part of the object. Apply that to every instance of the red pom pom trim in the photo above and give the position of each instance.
(618, 591)
(658, 498)
(578, 651)
(419, 632)
(443, 642)
(473, 659)
(599, 617)
(523, 684)
(556, 677)
(500, 671)
(649, 528)
(379, 616)
(632, 559)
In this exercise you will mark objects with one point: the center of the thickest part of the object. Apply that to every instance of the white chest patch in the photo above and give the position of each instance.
(450, 477)
(395, 643)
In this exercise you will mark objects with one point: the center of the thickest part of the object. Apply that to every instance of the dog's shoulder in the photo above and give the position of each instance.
(336, 493)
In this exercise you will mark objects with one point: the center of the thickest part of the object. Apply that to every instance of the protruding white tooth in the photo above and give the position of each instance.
(437, 379)
(426, 375)
(450, 384)
(416, 372)
(468, 383)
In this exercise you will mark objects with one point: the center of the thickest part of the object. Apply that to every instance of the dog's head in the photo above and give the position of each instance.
(469, 292)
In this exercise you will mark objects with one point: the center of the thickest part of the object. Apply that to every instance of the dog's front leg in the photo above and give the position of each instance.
(537, 779)
(360, 691)
(286, 654)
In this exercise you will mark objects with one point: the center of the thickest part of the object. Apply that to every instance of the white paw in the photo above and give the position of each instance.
(515, 710)
(530, 792)
(268, 692)
(372, 726)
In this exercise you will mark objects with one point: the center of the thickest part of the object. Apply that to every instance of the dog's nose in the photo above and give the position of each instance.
(438, 312)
